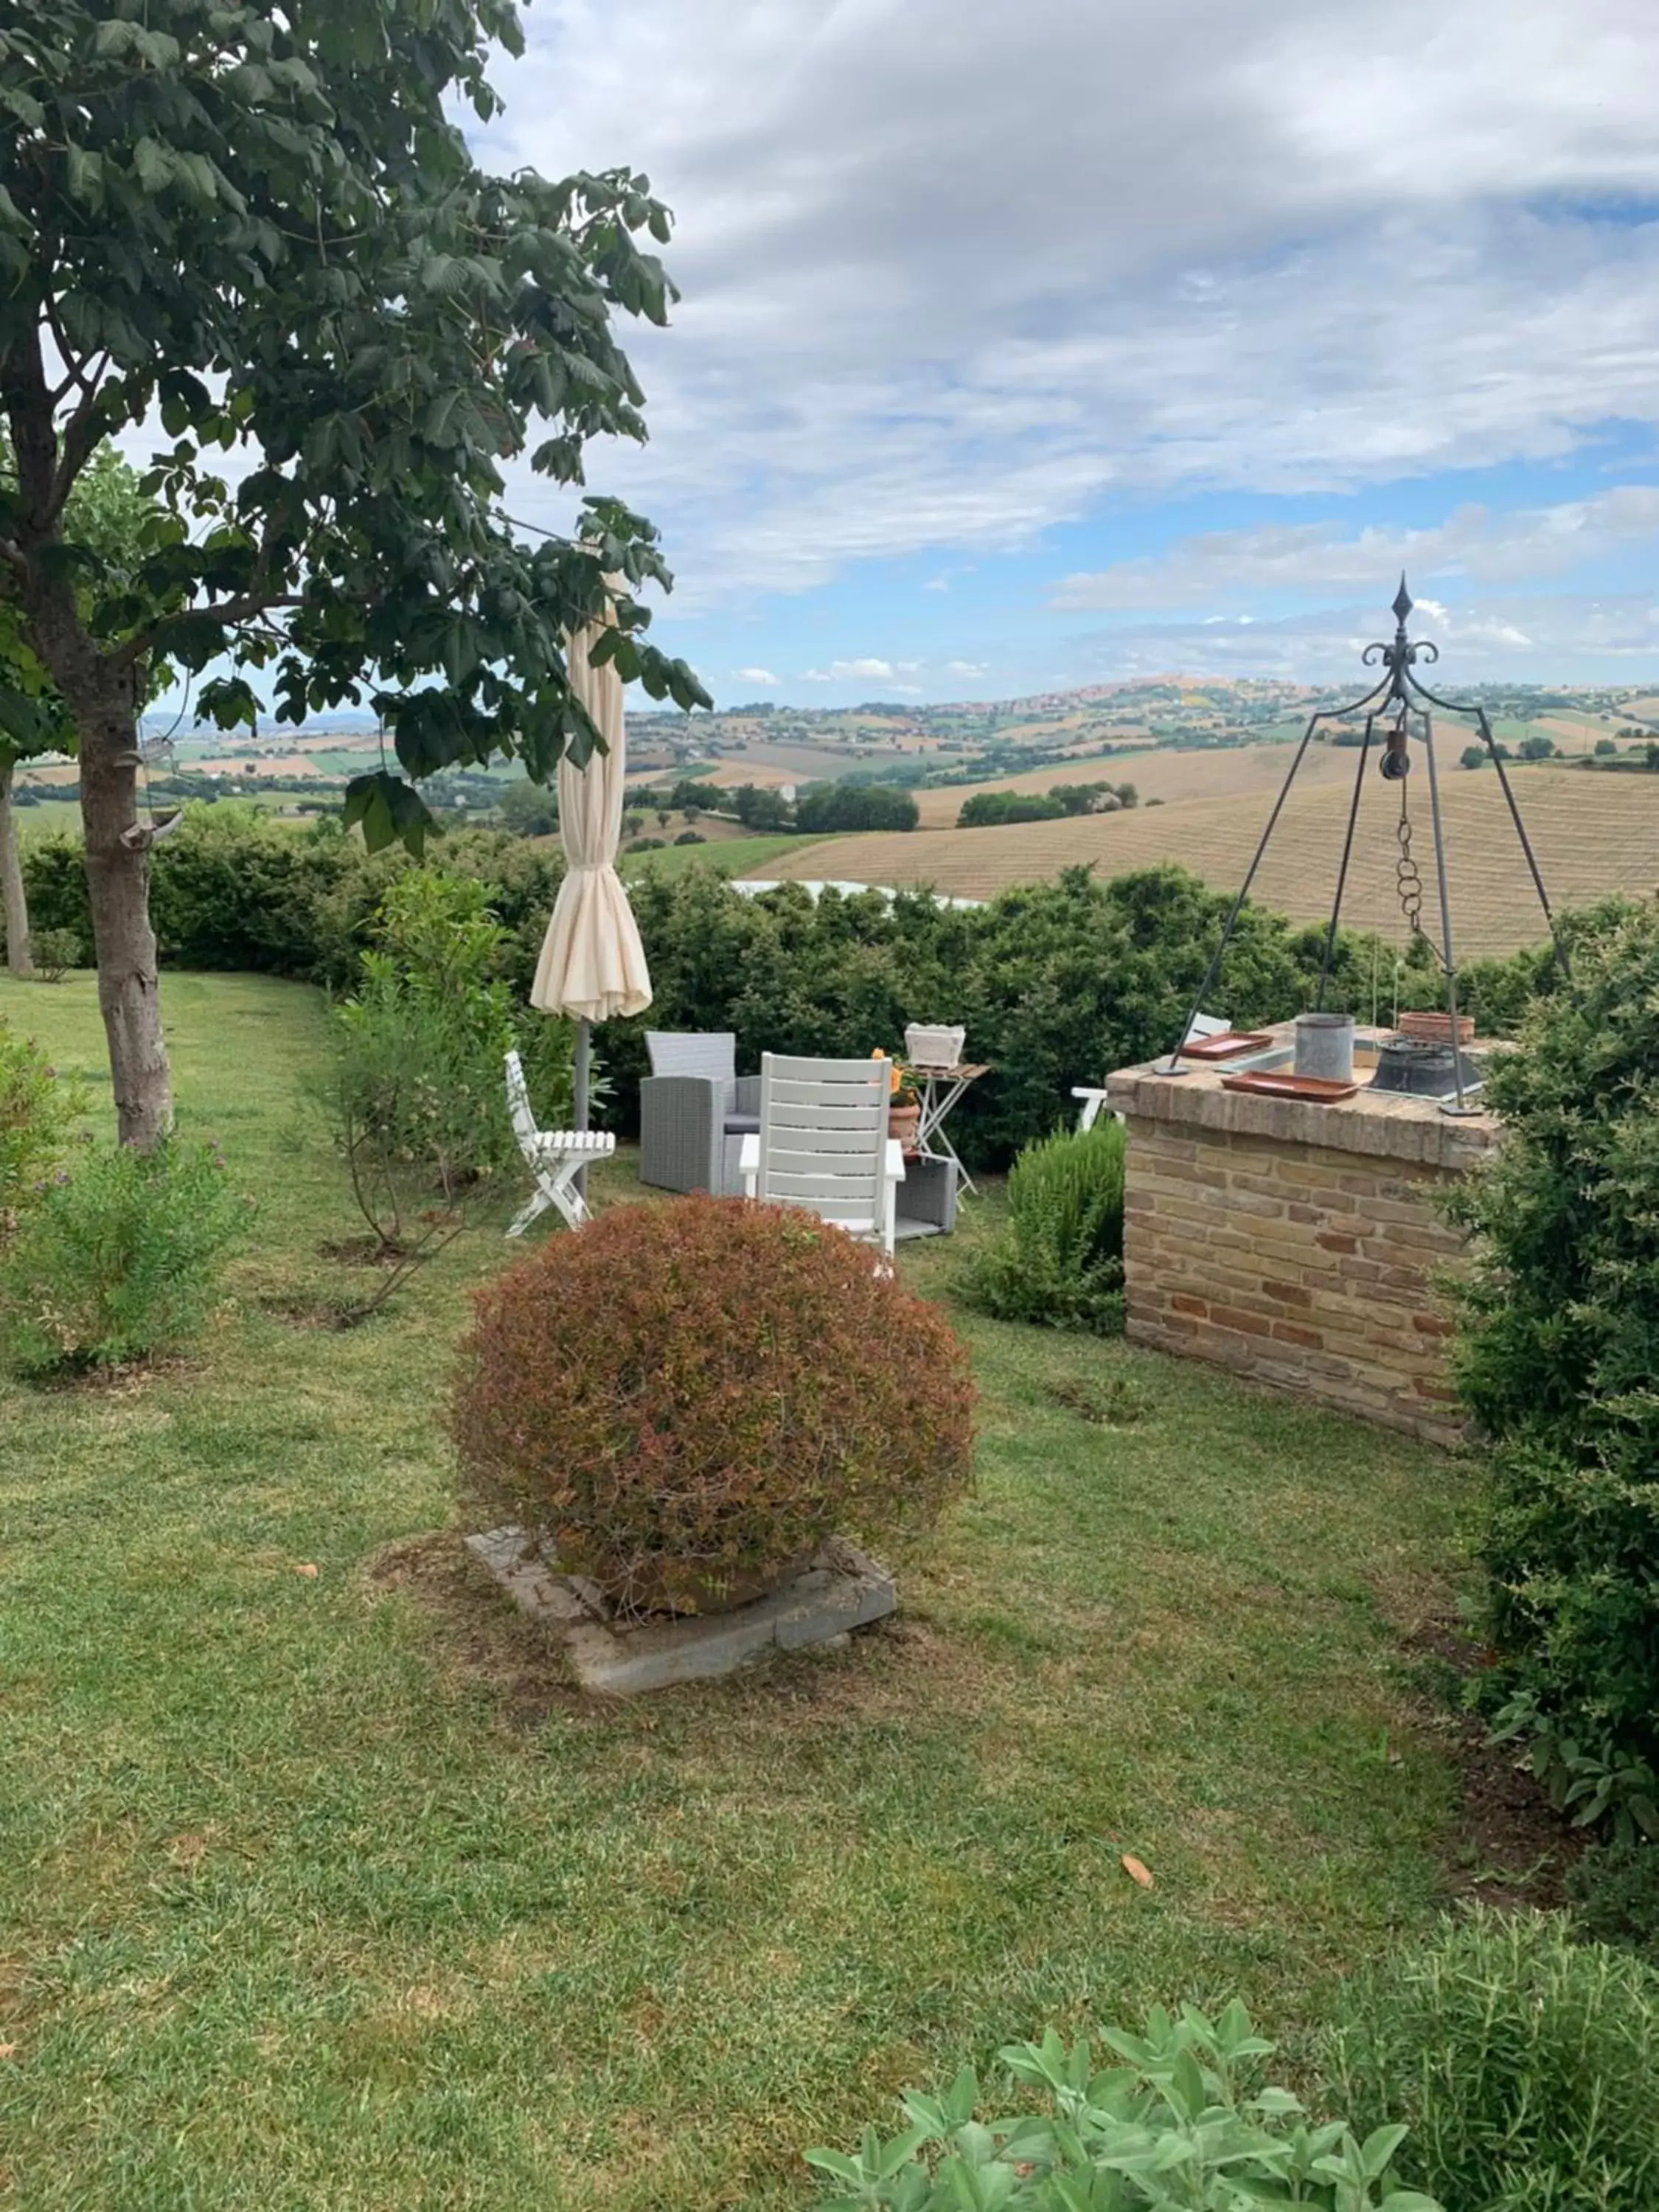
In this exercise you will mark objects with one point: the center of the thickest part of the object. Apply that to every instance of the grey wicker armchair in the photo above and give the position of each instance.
(694, 1110)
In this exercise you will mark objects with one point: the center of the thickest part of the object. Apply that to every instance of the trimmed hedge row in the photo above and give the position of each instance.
(232, 890)
(1056, 982)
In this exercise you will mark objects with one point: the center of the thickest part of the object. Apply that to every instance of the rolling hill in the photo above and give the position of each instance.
(1593, 835)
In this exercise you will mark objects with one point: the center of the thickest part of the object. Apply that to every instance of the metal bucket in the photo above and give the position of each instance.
(1420, 1067)
(1324, 1046)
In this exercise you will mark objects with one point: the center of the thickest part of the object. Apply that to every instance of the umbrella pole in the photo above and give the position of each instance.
(578, 1107)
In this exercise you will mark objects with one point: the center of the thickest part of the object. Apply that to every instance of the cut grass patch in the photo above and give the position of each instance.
(329, 1889)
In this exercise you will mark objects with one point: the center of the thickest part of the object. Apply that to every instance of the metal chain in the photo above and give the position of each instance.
(1408, 877)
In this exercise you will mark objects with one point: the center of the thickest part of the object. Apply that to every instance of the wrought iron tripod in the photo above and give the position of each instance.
(1400, 695)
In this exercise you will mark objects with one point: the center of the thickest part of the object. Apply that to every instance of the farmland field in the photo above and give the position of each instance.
(1593, 835)
(1160, 772)
(737, 855)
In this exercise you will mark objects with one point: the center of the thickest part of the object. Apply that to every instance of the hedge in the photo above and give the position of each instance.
(1057, 982)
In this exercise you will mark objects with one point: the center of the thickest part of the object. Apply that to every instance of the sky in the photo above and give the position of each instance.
(1024, 347)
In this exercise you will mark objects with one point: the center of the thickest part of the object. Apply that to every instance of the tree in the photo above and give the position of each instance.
(994, 809)
(528, 810)
(1537, 747)
(1472, 756)
(266, 229)
(109, 514)
(1604, 746)
(759, 807)
(832, 806)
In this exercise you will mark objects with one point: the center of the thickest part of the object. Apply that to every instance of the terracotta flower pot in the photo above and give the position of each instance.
(1435, 1028)
(904, 1122)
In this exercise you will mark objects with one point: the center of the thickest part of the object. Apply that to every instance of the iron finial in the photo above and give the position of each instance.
(1402, 601)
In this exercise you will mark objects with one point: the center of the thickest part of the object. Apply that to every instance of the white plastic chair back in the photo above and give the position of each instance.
(824, 1138)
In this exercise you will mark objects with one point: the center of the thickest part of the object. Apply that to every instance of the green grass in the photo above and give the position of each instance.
(727, 856)
(328, 1891)
(60, 817)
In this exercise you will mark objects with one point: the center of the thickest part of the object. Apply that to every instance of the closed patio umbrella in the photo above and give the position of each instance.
(592, 963)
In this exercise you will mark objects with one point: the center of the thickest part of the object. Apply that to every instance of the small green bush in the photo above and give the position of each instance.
(422, 1039)
(1173, 2121)
(1060, 1261)
(36, 1109)
(1556, 1358)
(117, 1260)
(417, 1093)
(54, 951)
(1614, 1889)
(1522, 2060)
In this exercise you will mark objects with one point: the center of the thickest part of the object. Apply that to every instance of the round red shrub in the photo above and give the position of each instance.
(683, 1401)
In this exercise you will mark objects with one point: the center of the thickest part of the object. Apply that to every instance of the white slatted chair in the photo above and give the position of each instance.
(822, 1143)
(555, 1156)
(1203, 1025)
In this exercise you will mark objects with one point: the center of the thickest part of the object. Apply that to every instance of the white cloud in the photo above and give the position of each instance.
(839, 671)
(1267, 250)
(755, 676)
(967, 667)
(1475, 542)
(1526, 635)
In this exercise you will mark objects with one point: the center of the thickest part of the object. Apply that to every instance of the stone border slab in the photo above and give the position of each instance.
(840, 1591)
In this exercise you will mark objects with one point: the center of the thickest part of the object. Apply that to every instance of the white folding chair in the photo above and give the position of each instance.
(555, 1156)
(822, 1143)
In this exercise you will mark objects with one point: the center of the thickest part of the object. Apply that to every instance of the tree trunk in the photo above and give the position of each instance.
(118, 880)
(102, 691)
(13, 903)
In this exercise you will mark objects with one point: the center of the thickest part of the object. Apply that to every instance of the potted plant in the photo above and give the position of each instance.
(904, 1113)
(904, 1106)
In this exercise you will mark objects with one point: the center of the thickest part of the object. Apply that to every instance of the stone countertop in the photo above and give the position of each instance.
(1387, 1125)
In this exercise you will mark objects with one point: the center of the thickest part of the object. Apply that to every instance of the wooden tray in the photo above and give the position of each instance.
(1313, 1090)
(1227, 1046)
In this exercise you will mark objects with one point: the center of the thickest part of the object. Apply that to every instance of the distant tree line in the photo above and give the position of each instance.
(820, 809)
(988, 809)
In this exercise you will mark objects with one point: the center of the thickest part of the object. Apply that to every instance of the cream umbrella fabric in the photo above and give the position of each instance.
(592, 963)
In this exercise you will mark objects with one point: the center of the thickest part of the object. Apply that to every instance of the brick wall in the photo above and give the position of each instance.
(1309, 1265)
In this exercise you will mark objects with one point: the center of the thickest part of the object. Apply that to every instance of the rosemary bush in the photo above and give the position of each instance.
(117, 1260)
(1522, 2060)
(1060, 1261)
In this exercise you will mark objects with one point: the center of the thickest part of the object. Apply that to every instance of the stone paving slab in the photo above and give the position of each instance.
(842, 1590)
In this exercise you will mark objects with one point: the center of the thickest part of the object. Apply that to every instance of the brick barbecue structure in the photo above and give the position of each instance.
(1294, 1243)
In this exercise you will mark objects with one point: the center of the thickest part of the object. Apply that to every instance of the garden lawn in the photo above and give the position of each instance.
(324, 1889)
(727, 856)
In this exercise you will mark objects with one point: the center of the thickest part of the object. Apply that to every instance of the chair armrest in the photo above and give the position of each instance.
(894, 1169)
(749, 1164)
(681, 1131)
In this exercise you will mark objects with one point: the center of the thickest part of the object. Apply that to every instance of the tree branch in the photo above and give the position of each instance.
(239, 610)
(78, 374)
